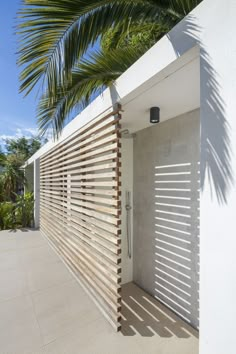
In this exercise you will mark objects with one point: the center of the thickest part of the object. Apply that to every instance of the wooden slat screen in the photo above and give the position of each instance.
(80, 208)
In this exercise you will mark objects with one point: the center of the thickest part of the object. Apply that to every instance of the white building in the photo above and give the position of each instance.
(180, 172)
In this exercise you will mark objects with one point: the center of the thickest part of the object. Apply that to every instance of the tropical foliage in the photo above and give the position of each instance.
(17, 214)
(57, 37)
(15, 210)
(11, 176)
(88, 78)
(6, 215)
(12, 179)
(22, 146)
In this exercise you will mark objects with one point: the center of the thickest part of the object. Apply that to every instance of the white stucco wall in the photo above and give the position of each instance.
(212, 25)
(36, 192)
(218, 236)
(29, 175)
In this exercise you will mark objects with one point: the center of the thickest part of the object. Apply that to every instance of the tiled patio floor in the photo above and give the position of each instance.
(44, 310)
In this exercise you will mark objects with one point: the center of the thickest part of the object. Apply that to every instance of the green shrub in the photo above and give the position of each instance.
(18, 214)
(24, 211)
(7, 217)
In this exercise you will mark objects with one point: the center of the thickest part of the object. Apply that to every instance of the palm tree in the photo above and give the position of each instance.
(23, 147)
(57, 35)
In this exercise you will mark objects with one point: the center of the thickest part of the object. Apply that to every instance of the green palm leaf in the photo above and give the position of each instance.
(55, 34)
(89, 77)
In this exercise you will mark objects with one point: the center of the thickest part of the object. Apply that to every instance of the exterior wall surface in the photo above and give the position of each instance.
(127, 185)
(166, 213)
(218, 167)
(36, 192)
(29, 175)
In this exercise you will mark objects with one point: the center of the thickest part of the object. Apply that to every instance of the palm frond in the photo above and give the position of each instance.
(91, 76)
(139, 35)
(54, 39)
(55, 34)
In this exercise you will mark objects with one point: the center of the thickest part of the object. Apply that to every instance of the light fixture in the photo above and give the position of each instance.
(154, 115)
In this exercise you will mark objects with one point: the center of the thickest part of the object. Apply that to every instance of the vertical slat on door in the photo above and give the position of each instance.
(80, 208)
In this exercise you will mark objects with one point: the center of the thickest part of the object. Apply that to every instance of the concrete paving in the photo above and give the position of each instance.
(44, 310)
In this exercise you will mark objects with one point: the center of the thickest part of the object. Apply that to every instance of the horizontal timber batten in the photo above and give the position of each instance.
(88, 155)
(80, 208)
(114, 269)
(103, 142)
(96, 168)
(112, 300)
(75, 142)
(64, 169)
(112, 316)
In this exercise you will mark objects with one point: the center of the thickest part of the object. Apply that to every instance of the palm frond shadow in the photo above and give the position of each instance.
(216, 152)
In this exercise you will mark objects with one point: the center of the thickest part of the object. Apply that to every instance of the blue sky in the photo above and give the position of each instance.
(17, 114)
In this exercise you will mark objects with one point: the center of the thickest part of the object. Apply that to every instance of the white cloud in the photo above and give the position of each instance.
(28, 133)
(33, 131)
(4, 137)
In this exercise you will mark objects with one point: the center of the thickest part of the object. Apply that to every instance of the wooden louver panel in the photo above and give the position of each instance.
(80, 208)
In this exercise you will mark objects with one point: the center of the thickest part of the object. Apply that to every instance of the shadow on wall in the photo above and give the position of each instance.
(176, 259)
(215, 130)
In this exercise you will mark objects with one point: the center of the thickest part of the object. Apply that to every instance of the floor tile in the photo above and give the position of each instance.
(29, 239)
(9, 259)
(8, 234)
(42, 254)
(110, 342)
(43, 310)
(62, 308)
(75, 342)
(12, 284)
(7, 241)
(94, 337)
(40, 277)
(171, 345)
(19, 331)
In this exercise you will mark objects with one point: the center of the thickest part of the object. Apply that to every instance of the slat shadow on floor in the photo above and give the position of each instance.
(143, 314)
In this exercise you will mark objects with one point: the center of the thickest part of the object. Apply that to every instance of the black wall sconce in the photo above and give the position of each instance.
(154, 115)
